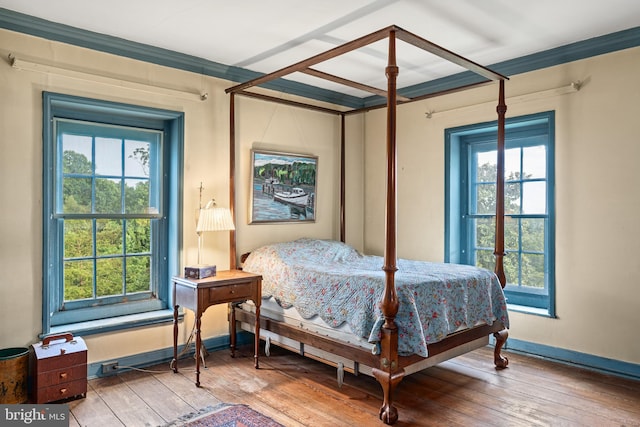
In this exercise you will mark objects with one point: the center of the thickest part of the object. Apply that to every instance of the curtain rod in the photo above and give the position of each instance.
(24, 65)
(532, 96)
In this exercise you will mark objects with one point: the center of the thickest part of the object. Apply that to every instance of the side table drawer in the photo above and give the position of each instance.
(231, 292)
(61, 391)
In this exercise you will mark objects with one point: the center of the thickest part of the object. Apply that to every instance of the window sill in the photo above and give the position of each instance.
(116, 323)
(530, 310)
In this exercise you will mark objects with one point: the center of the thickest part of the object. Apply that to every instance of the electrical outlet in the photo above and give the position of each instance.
(109, 368)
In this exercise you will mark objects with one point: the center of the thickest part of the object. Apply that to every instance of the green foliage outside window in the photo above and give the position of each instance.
(524, 237)
(115, 252)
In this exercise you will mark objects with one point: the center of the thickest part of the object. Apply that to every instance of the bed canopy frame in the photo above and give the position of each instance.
(388, 366)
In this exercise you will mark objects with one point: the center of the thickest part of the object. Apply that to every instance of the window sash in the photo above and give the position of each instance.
(92, 263)
(90, 133)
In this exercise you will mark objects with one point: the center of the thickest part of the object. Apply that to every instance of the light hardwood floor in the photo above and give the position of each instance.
(296, 391)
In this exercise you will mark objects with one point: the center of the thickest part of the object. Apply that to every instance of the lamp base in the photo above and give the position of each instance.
(200, 271)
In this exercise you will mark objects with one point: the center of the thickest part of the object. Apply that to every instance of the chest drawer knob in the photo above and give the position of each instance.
(63, 391)
(63, 375)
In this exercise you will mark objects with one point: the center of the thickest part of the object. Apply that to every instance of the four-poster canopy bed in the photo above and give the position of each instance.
(391, 356)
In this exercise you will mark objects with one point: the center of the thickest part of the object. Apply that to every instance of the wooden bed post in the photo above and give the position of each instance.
(388, 373)
(500, 361)
(343, 178)
(232, 186)
(499, 243)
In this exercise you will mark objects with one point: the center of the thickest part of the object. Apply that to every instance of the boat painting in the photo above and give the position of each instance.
(283, 187)
(296, 196)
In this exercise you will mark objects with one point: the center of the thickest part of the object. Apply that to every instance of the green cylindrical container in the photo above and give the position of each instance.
(14, 370)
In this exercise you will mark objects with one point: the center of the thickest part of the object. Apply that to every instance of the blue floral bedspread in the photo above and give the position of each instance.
(334, 281)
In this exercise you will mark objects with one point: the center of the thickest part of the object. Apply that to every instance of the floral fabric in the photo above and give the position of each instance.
(334, 281)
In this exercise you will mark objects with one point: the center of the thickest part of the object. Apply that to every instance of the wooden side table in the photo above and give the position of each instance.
(199, 294)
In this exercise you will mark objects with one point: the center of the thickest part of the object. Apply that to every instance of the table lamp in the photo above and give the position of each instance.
(210, 218)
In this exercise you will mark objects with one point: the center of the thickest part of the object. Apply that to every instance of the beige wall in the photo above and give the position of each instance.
(597, 197)
(596, 185)
(259, 124)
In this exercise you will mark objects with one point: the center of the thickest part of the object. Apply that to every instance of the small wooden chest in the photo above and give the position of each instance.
(59, 369)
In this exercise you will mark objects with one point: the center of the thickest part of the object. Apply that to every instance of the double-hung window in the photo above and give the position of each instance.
(112, 175)
(529, 220)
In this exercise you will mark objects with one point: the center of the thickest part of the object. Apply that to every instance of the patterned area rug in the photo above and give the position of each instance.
(225, 415)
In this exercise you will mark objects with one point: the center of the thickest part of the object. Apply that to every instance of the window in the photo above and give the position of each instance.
(529, 223)
(112, 180)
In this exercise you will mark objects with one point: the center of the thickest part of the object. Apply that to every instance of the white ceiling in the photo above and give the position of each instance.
(266, 35)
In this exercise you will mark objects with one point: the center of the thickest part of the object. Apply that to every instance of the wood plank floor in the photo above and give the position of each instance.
(296, 391)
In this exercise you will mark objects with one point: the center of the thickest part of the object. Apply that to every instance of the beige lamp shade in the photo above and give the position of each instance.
(213, 218)
(210, 218)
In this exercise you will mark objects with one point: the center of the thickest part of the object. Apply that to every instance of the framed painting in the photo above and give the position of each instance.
(283, 187)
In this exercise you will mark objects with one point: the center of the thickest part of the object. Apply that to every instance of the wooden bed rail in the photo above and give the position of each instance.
(365, 356)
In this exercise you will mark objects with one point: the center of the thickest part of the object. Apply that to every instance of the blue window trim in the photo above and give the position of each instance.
(172, 124)
(456, 157)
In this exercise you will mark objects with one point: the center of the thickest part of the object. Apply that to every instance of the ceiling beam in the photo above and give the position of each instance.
(288, 102)
(433, 48)
(350, 83)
